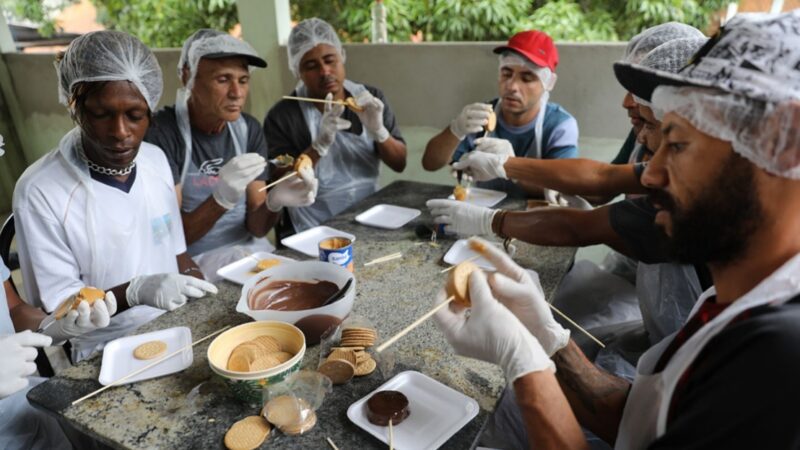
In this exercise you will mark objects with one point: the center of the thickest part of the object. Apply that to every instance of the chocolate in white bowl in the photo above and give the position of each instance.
(315, 277)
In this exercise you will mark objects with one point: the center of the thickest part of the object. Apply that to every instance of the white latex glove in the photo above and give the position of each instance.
(329, 125)
(17, 353)
(472, 119)
(372, 116)
(495, 146)
(234, 177)
(514, 287)
(166, 290)
(80, 321)
(461, 217)
(482, 166)
(491, 333)
(300, 190)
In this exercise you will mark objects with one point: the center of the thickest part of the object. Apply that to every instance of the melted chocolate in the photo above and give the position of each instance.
(291, 295)
(385, 406)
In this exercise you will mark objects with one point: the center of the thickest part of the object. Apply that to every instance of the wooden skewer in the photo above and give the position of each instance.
(391, 436)
(283, 178)
(330, 442)
(572, 322)
(154, 363)
(414, 324)
(315, 100)
(384, 259)
(470, 259)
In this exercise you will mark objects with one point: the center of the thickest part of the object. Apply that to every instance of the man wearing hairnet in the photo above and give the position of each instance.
(528, 126)
(725, 183)
(217, 154)
(347, 146)
(100, 209)
(21, 426)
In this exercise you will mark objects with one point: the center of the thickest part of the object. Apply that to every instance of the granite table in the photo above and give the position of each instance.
(193, 409)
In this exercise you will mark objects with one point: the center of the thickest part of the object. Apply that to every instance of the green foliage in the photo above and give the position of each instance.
(166, 23)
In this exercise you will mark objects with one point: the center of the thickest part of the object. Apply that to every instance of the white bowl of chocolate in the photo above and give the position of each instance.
(296, 292)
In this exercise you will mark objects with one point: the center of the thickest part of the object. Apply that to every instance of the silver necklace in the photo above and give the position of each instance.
(105, 170)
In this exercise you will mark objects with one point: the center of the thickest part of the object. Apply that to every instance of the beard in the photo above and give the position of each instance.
(715, 227)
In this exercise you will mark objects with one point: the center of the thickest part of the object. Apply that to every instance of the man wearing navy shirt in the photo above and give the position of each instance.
(527, 124)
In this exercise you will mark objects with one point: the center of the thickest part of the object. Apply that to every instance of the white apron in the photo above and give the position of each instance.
(228, 240)
(117, 253)
(645, 416)
(347, 174)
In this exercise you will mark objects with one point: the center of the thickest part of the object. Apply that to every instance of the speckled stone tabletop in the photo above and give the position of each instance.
(192, 409)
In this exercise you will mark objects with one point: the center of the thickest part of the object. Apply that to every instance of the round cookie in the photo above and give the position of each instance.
(492, 123)
(340, 371)
(351, 103)
(385, 406)
(293, 430)
(287, 411)
(460, 193)
(302, 162)
(85, 294)
(265, 264)
(150, 350)
(247, 434)
(458, 283)
(366, 367)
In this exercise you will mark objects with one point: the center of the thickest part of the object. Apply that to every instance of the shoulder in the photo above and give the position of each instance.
(284, 109)
(152, 158)
(555, 115)
(165, 119)
(46, 174)
(251, 121)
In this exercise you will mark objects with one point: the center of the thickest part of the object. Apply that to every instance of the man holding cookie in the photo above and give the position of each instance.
(725, 183)
(527, 125)
(217, 154)
(347, 145)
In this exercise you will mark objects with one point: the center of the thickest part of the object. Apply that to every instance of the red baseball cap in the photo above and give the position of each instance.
(535, 45)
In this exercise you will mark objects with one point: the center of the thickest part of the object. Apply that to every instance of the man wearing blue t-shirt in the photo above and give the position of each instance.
(527, 125)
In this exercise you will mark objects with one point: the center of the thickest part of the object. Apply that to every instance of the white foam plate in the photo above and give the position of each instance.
(437, 412)
(483, 197)
(239, 271)
(387, 216)
(460, 252)
(308, 241)
(118, 359)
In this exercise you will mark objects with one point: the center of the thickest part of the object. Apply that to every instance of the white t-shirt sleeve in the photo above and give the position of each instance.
(49, 269)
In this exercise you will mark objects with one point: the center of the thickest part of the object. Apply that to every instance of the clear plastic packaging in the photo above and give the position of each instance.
(291, 405)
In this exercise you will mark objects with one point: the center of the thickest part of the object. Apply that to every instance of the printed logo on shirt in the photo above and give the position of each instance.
(162, 228)
(210, 167)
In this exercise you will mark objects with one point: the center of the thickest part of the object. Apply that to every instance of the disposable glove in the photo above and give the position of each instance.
(513, 287)
(482, 166)
(329, 125)
(234, 177)
(495, 146)
(17, 353)
(300, 190)
(461, 217)
(80, 321)
(167, 291)
(471, 120)
(372, 116)
(491, 333)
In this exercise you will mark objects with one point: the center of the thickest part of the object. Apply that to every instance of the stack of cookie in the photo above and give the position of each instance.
(261, 353)
(350, 358)
(292, 415)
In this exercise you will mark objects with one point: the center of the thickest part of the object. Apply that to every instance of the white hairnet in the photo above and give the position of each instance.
(308, 34)
(671, 57)
(207, 42)
(765, 133)
(643, 43)
(109, 56)
(547, 77)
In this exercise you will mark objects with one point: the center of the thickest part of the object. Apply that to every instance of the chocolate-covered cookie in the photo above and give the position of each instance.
(385, 406)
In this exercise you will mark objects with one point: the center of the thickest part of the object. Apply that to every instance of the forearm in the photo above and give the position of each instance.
(200, 221)
(393, 153)
(187, 266)
(597, 398)
(546, 412)
(439, 151)
(259, 219)
(559, 227)
(576, 176)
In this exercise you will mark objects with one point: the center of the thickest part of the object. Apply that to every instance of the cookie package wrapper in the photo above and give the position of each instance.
(291, 404)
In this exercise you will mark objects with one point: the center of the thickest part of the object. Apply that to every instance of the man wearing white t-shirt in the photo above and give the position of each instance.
(100, 210)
